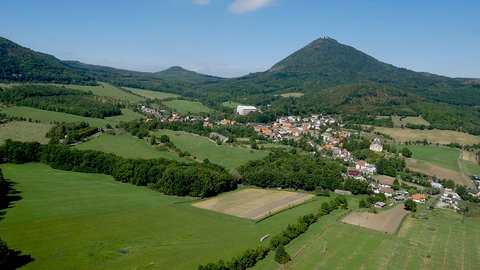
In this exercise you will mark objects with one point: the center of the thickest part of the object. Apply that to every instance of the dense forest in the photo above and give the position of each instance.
(59, 99)
(167, 176)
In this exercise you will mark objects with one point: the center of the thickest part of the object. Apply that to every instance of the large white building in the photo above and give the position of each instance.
(244, 110)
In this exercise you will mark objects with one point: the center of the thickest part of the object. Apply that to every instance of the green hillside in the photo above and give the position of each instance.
(20, 64)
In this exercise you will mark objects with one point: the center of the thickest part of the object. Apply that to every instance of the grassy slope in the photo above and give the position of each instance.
(151, 94)
(201, 147)
(470, 167)
(50, 116)
(443, 235)
(126, 146)
(439, 156)
(70, 220)
(186, 106)
(24, 131)
(230, 104)
(108, 90)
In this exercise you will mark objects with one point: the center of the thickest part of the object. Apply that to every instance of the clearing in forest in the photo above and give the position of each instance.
(386, 221)
(253, 203)
(151, 94)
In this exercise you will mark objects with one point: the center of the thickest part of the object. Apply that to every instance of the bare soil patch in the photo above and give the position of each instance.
(386, 221)
(253, 203)
(439, 172)
(469, 156)
(433, 136)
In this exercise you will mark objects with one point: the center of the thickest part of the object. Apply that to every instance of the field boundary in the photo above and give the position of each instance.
(286, 209)
(401, 224)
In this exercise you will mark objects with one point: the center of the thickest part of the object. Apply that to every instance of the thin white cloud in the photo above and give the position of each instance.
(202, 2)
(242, 6)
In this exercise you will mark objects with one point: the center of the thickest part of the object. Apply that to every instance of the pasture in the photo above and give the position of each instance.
(399, 121)
(203, 148)
(443, 241)
(125, 145)
(51, 117)
(433, 136)
(186, 106)
(69, 220)
(151, 94)
(24, 131)
(440, 172)
(385, 221)
(253, 203)
(470, 167)
(107, 90)
(439, 156)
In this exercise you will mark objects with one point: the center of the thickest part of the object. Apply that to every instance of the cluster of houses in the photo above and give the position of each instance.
(292, 127)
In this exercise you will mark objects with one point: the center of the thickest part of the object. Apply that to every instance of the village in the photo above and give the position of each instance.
(327, 133)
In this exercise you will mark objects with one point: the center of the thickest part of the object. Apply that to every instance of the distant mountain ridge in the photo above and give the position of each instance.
(326, 63)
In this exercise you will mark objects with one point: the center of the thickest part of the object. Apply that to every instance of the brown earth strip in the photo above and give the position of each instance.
(386, 221)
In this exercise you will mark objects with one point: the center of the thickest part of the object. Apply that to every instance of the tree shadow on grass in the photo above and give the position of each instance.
(9, 258)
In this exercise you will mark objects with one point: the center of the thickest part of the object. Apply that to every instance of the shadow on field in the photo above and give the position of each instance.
(9, 258)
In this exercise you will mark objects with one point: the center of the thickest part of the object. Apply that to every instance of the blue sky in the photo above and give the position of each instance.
(235, 37)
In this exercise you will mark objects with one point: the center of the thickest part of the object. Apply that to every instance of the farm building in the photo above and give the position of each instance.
(244, 110)
(379, 205)
(343, 192)
(222, 138)
(376, 145)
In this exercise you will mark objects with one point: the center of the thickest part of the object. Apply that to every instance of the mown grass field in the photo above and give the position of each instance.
(186, 106)
(24, 131)
(433, 136)
(69, 220)
(50, 116)
(202, 148)
(439, 156)
(398, 121)
(151, 94)
(451, 244)
(126, 146)
(107, 90)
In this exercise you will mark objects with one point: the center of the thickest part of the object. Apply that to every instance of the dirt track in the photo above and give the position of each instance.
(386, 221)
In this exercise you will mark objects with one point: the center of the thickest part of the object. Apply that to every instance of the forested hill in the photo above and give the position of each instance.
(19, 64)
(326, 63)
(179, 73)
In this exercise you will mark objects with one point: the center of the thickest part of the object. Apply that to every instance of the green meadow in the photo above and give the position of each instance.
(50, 116)
(24, 131)
(126, 146)
(470, 167)
(151, 94)
(439, 156)
(202, 148)
(108, 90)
(186, 106)
(230, 104)
(69, 220)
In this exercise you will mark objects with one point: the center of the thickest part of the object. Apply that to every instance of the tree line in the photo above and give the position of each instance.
(59, 99)
(281, 169)
(167, 176)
